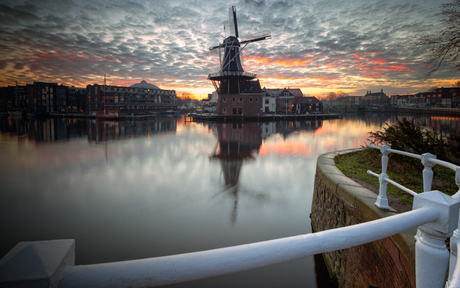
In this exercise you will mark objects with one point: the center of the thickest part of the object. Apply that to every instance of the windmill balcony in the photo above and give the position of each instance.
(231, 73)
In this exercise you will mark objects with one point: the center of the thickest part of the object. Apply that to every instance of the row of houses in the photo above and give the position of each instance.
(54, 97)
(369, 99)
(439, 97)
(280, 101)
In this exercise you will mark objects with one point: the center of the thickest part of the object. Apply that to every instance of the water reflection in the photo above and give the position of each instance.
(167, 186)
(239, 143)
(50, 130)
(445, 124)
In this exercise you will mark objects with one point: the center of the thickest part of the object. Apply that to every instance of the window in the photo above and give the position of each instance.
(256, 99)
(224, 99)
(267, 101)
(241, 99)
(233, 99)
(224, 110)
(250, 99)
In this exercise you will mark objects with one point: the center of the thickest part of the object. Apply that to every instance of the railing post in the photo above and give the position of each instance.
(382, 200)
(455, 239)
(428, 171)
(431, 254)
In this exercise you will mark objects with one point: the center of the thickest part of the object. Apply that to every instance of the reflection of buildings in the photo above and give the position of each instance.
(100, 131)
(287, 128)
(47, 130)
(376, 118)
(445, 124)
(56, 129)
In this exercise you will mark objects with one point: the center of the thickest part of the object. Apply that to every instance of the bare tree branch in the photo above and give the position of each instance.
(443, 47)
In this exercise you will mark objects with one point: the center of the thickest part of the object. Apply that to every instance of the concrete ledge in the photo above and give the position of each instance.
(36, 264)
(339, 201)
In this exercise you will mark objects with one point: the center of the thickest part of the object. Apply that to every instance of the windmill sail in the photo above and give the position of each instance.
(256, 37)
(232, 21)
(231, 79)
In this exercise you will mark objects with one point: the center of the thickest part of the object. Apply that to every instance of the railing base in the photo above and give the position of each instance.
(36, 264)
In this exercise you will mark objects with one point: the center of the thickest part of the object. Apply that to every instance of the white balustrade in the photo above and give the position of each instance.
(429, 161)
(431, 254)
(382, 200)
(435, 213)
(427, 171)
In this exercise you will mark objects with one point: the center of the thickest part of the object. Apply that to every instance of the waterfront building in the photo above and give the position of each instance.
(269, 103)
(76, 100)
(398, 100)
(12, 97)
(210, 104)
(289, 100)
(439, 97)
(378, 98)
(285, 101)
(48, 97)
(302, 105)
(349, 101)
(142, 96)
(42, 97)
(442, 97)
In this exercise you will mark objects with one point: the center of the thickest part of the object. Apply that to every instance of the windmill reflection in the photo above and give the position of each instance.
(240, 143)
(237, 143)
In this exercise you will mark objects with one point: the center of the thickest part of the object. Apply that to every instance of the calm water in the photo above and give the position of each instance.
(130, 190)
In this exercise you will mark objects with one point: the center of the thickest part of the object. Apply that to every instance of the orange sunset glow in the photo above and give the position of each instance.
(311, 48)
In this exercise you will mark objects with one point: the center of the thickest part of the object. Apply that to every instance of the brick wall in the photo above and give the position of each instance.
(338, 201)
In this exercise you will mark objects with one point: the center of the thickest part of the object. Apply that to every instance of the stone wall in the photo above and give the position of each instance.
(339, 201)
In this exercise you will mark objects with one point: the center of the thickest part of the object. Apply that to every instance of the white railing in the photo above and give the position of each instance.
(429, 161)
(434, 213)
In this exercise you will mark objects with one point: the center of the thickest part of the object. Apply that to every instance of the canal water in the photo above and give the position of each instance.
(131, 190)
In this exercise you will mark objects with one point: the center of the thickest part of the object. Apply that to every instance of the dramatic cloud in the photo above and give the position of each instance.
(318, 46)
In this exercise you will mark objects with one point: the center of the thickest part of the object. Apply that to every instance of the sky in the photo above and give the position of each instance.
(319, 46)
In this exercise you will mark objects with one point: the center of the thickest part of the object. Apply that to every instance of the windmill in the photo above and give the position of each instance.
(231, 78)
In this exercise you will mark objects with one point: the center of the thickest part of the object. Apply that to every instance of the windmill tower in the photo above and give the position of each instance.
(239, 93)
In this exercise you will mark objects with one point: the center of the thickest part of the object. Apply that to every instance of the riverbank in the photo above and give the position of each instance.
(355, 165)
(339, 201)
(262, 117)
(82, 115)
(432, 111)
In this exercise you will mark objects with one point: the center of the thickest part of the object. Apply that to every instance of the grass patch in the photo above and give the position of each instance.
(356, 164)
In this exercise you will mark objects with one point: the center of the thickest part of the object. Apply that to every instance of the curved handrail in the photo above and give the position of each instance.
(198, 265)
